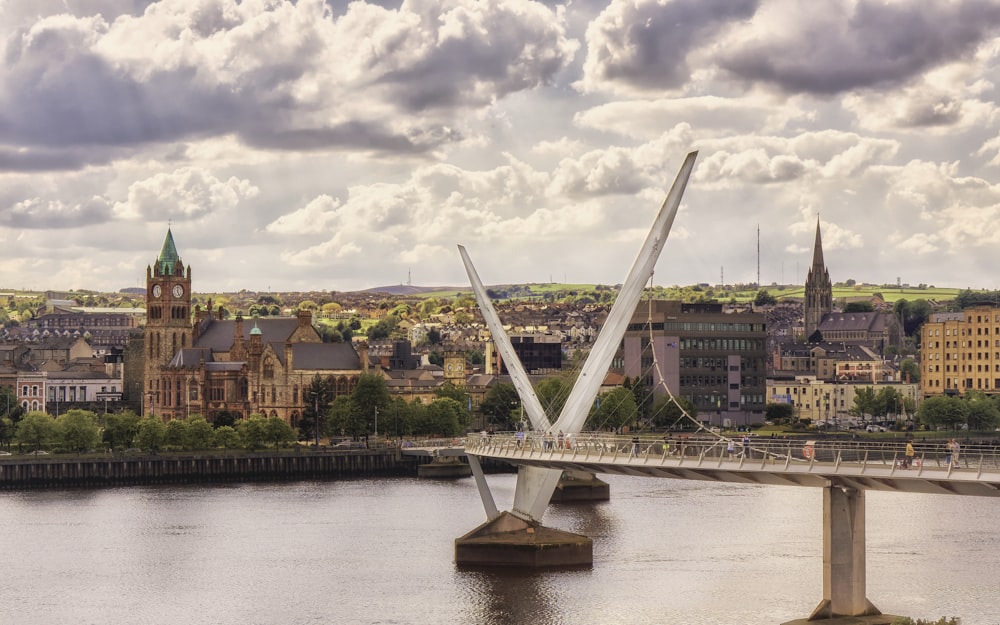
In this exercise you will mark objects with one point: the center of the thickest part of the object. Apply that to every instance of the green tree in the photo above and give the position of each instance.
(8, 404)
(120, 429)
(858, 307)
(77, 430)
(910, 370)
(982, 412)
(345, 420)
(946, 412)
(151, 435)
(667, 412)
(443, 417)
(278, 432)
(764, 298)
(316, 413)
(227, 437)
(200, 434)
(912, 315)
(613, 410)
(501, 407)
(370, 397)
(779, 413)
(253, 432)
(553, 392)
(36, 430)
(865, 403)
(177, 435)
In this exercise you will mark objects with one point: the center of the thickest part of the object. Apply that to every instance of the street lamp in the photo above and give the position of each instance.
(376, 422)
(316, 416)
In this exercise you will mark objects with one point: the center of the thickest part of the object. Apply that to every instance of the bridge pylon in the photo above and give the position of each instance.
(506, 537)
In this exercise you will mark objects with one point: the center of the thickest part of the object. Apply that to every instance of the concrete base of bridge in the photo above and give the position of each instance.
(510, 541)
(878, 619)
(581, 486)
(444, 467)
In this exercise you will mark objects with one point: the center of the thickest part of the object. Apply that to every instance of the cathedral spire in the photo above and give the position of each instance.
(168, 255)
(818, 263)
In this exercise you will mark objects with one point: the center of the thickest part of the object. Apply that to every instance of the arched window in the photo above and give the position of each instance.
(268, 369)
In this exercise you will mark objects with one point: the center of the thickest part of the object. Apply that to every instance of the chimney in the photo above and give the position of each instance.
(363, 353)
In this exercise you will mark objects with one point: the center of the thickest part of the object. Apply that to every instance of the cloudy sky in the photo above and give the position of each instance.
(316, 145)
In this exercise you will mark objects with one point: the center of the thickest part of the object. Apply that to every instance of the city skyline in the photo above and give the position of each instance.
(338, 147)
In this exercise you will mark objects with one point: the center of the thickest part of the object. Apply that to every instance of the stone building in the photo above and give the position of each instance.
(208, 365)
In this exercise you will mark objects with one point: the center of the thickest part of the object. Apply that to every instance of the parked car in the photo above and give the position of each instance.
(349, 445)
(875, 428)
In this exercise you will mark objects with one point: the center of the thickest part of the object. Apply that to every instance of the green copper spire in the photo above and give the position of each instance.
(168, 255)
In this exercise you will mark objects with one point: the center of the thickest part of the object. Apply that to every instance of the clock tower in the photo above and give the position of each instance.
(168, 321)
(454, 368)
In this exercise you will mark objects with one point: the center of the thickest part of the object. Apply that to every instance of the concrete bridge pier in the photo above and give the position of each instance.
(844, 583)
(577, 486)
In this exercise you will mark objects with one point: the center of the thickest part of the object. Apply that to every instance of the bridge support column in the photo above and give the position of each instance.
(844, 592)
(581, 486)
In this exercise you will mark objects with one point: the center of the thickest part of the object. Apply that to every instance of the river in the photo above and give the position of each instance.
(374, 551)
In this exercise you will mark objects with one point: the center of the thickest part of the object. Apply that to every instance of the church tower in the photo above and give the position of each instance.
(168, 323)
(819, 289)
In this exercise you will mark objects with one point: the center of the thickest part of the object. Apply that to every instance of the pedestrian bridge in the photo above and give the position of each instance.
(863, 465)
(843, 469)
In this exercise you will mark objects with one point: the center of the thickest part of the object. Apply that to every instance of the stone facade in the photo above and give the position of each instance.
(213, 366)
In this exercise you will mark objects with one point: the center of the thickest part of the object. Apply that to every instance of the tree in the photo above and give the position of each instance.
(912, 315)
(120, 429)
(433, 336)
(614, 409)
(552, 392)
(278, 432)
(501, 406)
(227, 437)
(858, 307)
(946, 412)
(176, 435)
(253, 432)
(779, 413)
(983, 413)
(77, 430)
(36, 430)
(764, 299)
(315, 414)
(910, 370)
(667, 412)
(345, 420)
(370, 396)
(865, 402)
(152, 434)
(8, 404)
(452, 390)
(200, 434)
(443, 417)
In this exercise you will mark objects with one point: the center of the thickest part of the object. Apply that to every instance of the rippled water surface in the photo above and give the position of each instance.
(380, 552)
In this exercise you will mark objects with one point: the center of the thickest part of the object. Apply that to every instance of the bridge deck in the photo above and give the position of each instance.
(860, 465)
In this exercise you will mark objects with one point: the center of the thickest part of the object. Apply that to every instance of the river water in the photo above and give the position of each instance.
(380, 551)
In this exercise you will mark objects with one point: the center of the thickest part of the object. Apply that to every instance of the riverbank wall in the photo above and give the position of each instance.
(104, 471)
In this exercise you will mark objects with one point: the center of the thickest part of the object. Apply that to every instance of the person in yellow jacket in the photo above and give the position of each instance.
(909, 455)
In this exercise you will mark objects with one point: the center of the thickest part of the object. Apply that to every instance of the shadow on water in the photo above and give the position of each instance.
(512, 596)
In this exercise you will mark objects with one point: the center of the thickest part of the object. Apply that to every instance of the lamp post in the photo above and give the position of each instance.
(376, 422)
(316, 417)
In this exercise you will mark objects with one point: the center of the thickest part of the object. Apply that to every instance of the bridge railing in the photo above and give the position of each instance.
(597, 446)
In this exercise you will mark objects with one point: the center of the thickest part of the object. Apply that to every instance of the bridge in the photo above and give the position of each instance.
(862, 465)
(844, 469)
(518, 538)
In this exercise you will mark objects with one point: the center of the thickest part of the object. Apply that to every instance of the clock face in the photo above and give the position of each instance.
(178, 290)
(156, 290)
